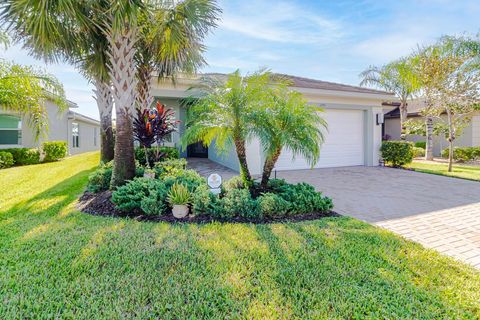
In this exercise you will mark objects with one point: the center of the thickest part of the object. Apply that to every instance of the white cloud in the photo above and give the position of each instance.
(281, 22)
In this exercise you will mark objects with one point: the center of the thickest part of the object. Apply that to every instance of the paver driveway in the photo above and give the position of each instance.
(439, 212)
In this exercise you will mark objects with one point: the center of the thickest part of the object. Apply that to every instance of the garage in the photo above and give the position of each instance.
(344, 143)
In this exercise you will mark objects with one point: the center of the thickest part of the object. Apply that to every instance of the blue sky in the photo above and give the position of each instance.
(327, 40)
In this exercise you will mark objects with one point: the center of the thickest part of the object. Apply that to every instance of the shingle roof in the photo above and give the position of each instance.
(301, 82)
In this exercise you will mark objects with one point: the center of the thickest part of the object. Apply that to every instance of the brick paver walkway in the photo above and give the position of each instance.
(439, 212)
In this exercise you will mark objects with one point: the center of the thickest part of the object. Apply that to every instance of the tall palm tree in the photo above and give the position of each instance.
(287, 120)
(397, 77)
(170, 41)
(65, 31)
(24, 90)
(220, 112)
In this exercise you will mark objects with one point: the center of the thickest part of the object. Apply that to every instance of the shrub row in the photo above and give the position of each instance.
(463, 153)
(418, 152)
(397, 153)
(100, 179)
(282, 200)
(154, 155)
(52, 151)
(150, 196)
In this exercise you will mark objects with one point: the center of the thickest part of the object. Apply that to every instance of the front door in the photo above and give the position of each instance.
(197, 150)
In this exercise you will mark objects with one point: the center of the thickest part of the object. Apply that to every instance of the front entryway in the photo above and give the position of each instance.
(197, 150)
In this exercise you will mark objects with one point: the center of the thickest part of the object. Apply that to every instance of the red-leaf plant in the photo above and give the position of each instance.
(153, 125)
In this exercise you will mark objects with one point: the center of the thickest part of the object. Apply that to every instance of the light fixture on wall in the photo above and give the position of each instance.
(380, 119)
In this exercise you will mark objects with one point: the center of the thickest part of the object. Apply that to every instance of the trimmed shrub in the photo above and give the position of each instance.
(165, 153)
(6, 159)
(276, 184)
(168, 166)
(418, 152)
(100, 179)
(239, 202)
(232, 184)
(54, 150)
(24, 156)
(203, 200)
(189, 178)
(272, 205)
(397, 153)
(421, 144)
(303, 198)
(147, 195)
(463, 153)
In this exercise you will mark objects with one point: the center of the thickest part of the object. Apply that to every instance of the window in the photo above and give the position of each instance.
(75, 136)
(95, 134)
(10, 130)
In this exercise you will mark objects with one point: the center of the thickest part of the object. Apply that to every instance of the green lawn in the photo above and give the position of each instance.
(56, 262)
(459, 171)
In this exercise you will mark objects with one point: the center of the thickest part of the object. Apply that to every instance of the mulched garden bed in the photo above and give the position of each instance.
(99, 204)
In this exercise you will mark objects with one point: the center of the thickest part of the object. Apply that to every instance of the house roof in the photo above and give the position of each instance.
(413, 109)
(77, 116)
(301, 82)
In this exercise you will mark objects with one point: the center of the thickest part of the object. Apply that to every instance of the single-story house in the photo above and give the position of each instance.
(81, 132)
(470, 136)
(354, 116)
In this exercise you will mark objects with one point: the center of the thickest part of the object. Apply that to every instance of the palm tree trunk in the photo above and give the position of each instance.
(242, 159)
(122, 73)
(268, 166)
(144, 86)
(429, 130)
(103, 96)
(403, 118)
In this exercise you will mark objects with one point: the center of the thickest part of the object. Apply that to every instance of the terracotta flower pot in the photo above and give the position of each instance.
(180, 211)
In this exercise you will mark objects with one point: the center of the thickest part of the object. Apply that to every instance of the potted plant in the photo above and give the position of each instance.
(179, 198)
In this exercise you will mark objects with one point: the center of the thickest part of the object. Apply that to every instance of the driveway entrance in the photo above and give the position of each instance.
(439, 212)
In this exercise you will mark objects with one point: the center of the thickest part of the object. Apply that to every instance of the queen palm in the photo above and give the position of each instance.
(398, 77)
(286, 120)
(219, 112)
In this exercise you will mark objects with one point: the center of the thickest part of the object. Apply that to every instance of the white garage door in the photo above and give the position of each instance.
(344, 143)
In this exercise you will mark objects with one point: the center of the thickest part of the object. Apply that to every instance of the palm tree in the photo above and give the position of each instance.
(24, 90)
(170, 41)
(287, 120)
(220, 113)
(42, 30)
(397, 77)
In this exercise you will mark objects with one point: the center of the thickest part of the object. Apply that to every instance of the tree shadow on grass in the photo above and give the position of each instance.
(361, 273)
(49, 206)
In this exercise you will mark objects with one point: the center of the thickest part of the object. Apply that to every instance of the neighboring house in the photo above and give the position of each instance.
(82, 133)
(470, 135)
(353, 137)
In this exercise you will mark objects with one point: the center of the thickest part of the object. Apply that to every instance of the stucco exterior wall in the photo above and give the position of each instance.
(476, 131)
(89, 136)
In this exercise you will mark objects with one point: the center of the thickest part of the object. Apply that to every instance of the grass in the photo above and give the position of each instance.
(459, 171)
(59, 263)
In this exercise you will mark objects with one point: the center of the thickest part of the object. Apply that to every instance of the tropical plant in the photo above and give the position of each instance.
(68, 31)
(398, 77)
(153, 125)
(170, 41)
(286, 120)
(24, 89)
(179, 195)
(218, 110)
